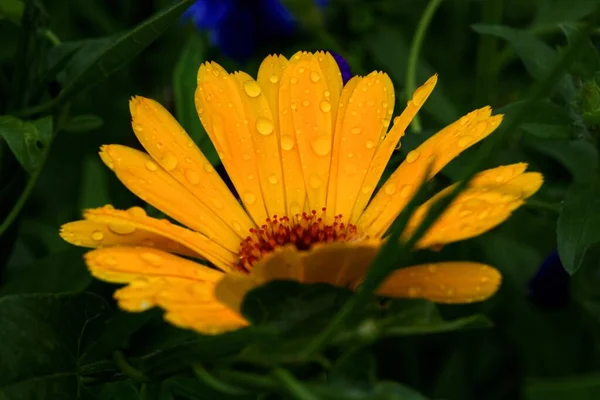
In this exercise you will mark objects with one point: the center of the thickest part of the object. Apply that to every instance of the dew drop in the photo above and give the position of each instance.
(321, 145)
(151, 258)
(355, 131)
(367, 189)
(273, 179)
(314, 76)
(121, 229)
(294, 80)
(150, 166)
(236, 225)
(306, 103)
(249, 198)
(390, 189)
(406, 191)
(169, 161)
(192, 177)
(264, 126)
(250, 177)
(326, 93)
(483, 215)
(251, 88)
(208, 167)
(97, 236)
(274, 78)
(314, 181)
(325, 106)
(419, 96)
(412, 156)
(465, 141)
(136, 212)
(246, 157)
(432, 268)
(369, 144)
(480, 128)
(414, 291)
(287, 142)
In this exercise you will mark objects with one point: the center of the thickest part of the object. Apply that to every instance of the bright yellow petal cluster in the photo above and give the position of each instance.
(292, 141)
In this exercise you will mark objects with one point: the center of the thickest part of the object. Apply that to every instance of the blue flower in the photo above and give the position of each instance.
(549, 287)
(237, 27)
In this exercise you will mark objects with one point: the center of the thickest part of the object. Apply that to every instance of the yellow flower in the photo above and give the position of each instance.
(305, 155)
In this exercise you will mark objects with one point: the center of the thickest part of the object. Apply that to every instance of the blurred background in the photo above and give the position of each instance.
(546, 339)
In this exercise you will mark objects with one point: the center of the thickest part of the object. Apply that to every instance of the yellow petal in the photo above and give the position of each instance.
(488, 201)
(389, 144)
(171, 147)
(106, 226)
(151, 183)
(447, 282)
(224, 116)
(436, 151)
(269, 79)
(362, 122)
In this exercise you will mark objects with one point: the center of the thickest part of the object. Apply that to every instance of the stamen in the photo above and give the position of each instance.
(302, 230)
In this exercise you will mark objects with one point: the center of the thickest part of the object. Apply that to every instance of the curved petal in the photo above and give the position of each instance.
(438, 151)
(489, 200)
(183, 288)
(106, 226)
(171, 147)
(447, 282)
(154, 185)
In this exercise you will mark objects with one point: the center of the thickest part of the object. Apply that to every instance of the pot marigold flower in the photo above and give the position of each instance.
(305, 154)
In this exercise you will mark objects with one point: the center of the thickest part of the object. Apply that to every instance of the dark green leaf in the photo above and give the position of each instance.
(355, 367)
(84, 123)
(193, 389)
(572, 388)
(122, 50)
(382, 391)
(547, 131)
(12, 10)
(94, 188)
(124, 390)
(537, 56)
(59, 272)
(44, 338)
(579, 224)
(552, 12)
(184, 87)
(27, 140)
(588, 62)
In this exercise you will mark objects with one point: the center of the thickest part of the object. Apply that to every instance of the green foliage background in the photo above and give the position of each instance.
(67, 70)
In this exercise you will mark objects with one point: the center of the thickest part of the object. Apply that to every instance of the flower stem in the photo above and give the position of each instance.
(127, 369)
(413, 56)
(215, 383)
(291, 385)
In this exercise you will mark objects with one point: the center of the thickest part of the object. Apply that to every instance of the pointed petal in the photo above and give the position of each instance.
(438, 151)
(106, 226)
(269, 79)
(489, 200)
(171, 147)
(389, 144)
(151, 183)
(448, 282)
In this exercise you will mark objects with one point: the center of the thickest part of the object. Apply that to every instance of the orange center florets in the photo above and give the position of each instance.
(302, 230)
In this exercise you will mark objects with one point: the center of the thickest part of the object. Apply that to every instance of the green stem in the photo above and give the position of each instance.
(542, 205)
(217, 384)
(127, 368)
(413, 56)
(291, 385)
(51, 36)
(248, 380)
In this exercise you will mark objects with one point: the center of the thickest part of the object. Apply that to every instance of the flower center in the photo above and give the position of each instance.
(302, 230)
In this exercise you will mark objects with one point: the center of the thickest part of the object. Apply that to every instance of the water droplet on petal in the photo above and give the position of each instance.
(406, 191)
(136, 212)
(412, 156)
(249, 198)
(414, 291)
(169, 161)
(274, 78)
(273, 179)
(325, 106)
(306, 103)
(251, 88)
(355, 131)
(208, 167)
(287, 142)
(151, 258)
(369, 144)
(390, 189)
(121, 229)
(419, 96)
(465, 141)
(236, 225)
(314, 76)
(150, 166)
(294, 80)
(367, 189)
(432, 268)
(192, 177)
(97, 236)
(321, 145)
(264, 126)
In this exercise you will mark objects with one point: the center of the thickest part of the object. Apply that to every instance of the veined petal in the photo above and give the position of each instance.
(447, 282)
(222, 112)
(362, 122)
(106, 226)
(489, 200)
(436, 151)
(140, 174)
(269, 79)
(183, 288)
(171, 147)
(389, 144)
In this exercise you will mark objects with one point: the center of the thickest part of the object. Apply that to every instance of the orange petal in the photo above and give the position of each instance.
(269, 79)
(171, 147)
(222, 112)
(436, 151)
(488, 201)
(154, 185)
(361, 123)
(389, 144)
(106, 226)
(448, 282)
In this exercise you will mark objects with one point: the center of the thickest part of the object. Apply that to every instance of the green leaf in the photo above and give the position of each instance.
(122, 50)
(537, 56)
(582, 387)
(587, 64)
(27, 140)
(390, 49)
(84, 123)
(381, 391)
(60, 272)
(124, 390)
(356, 367)
(94, 187)
(184, 87)
(552, 12)
(547, 131)
(12, 10)
(579, 225)
(193, 389)
(44, 338)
